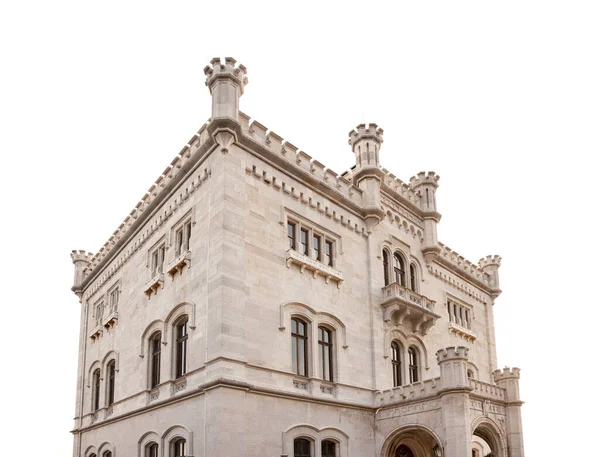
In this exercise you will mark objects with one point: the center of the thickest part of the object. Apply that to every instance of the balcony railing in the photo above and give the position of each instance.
(462, 332)
(317, 268)
(490, 391)
(408, 307)
(182, 260)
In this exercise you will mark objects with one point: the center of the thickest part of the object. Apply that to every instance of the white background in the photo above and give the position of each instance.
(502, 99)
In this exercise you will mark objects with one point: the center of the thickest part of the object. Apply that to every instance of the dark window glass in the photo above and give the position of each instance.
(469, 374)
(111, 382)
(178, 241)
(413, 364)
(107, 454)
(181, 335)
(404, 451)
(327, 448)
(291, 230)
(301, 447)
(304, 241)
(329, 253)
(413, 278)
(155, 348)
(158, 258)
(299, 347)
(386, 268)
(96, 391)
(397, 363)
(317, 247)
(326, 354)
(178, 448)
(151, 450)
(399, 273)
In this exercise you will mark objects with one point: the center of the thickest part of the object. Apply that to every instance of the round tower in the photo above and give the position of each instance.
(226, 83)
(425, 186)
(366, 141)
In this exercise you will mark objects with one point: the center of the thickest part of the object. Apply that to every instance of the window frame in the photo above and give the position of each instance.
(335, 447)
(307, 440)
(386, 267)
(96, 382)
(414, 374)
(397, 365)
(413, 277)
(181, 346)
(327, 241)
(459, 313)
(399, 272)
(111, 373)
(181, 243)
(174, 443)
(300, 338)
(323, 348)
(98, 313)
(155, 357)
(149, 447)
(160, 249)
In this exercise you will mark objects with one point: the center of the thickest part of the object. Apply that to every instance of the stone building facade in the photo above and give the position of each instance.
(256, 303)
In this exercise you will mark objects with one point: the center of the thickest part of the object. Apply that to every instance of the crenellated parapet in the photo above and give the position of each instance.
(490, 265)
(226, 83)
(227, 71)
(366, 140)
(453, 368)
(507, 374)
(422, 178)
(508, 378)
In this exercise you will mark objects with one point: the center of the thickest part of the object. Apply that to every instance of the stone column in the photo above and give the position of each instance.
(509, 380)
(454, 393)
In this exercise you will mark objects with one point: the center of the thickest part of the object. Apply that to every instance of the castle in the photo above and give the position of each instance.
(257, 303)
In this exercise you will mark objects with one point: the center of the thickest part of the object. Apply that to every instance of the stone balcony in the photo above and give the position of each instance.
(462, 332)
(487, 391)
(154, 284)
(182, 260)
(408, 308)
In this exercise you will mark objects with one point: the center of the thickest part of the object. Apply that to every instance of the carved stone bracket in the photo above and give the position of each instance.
(176, 266)
(317, 268)
(157, 282)
(408, 308)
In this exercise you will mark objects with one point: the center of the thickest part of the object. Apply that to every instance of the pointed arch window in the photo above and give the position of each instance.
(111, 371)
(181, 347)
(301, 447)
(299, 347)
(397, 363)
(404, 451)
(413, 277)
(96, 390)
(386, 268)
(399, 271)
(413, 364)
(107, 454)
(155, 352)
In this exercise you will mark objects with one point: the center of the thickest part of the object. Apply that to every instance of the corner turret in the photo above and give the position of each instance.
(490, 265)
(366, 142)
(425, 186)
(81, 260)
(226, 83)
(509, 380)
(453, 367)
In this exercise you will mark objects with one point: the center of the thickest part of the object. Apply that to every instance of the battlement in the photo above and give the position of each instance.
(364, 132)
(140, 208)
(490, 260)
(401, 188)
(464, 266)
(224, 71)
(424, 178)
(452, 353)
(507, 373)
(81, 256)
(296, 158)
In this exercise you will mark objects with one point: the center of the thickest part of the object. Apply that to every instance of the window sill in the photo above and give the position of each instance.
(111, 320)
(317, 268)
(176, 266)
(178, 385)
(157, 282)
(462, 332)
(96, 333)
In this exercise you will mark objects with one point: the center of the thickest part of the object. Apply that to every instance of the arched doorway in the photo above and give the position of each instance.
(487, 440)
(411, 441)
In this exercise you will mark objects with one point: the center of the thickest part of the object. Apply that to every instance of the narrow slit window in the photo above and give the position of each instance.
(317, 247)
(291, 233)
(329, 253)
(304, 241)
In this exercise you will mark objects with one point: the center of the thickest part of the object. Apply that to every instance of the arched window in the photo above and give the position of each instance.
(413, 277)
(155, 348)
(301, 447)
(326, 354)
(151, 450)
(404, 451)
(327, 448)
(111, 382)
(181, 346)
(386, 268)
(413, 364)
(96, 390)
(399, 272)
(470, 374)
(397, 363)
(107, 454)
(92, 455)
(178, 448)
(299, 347)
